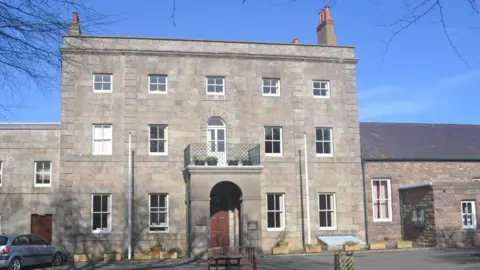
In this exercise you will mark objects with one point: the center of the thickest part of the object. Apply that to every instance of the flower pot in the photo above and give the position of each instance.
(168, 255)
(142, 256)
(82, 257)
(233, 162)
(246, 163)
(212, 162)
(351, 247)
(280, 250)
(156, 253)
(199, 162)
(404, 244)
(313, 249)
(107, 257)
(377, 245)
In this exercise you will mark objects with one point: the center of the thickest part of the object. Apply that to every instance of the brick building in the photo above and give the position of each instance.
(436, 167)
(242, 107)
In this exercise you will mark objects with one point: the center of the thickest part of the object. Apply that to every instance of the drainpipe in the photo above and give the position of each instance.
(401, 214)
(130, 196)
(306, 187)
(189, 226)
(365, 208)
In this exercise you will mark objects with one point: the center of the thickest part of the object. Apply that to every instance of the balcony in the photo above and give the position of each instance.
(220, 154)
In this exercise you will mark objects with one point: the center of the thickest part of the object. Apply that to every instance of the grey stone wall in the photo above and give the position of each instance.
(186, 108)
(20, 146)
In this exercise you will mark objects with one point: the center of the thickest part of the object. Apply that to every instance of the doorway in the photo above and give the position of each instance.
(41, 225)
(225, 215)
(217, 139)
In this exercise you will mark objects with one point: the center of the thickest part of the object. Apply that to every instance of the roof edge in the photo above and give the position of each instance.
(405, 187)
(30, 126)
(420, 159)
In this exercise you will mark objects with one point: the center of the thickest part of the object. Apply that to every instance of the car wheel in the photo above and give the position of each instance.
(57, 259)
(15, 264)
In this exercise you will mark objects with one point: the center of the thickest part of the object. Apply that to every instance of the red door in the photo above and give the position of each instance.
(42, 226)
(219, 233)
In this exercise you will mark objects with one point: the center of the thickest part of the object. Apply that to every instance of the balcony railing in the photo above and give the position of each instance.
(231, 154)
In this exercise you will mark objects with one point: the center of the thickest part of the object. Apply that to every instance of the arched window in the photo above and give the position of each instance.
(215, 121)
(216, 139)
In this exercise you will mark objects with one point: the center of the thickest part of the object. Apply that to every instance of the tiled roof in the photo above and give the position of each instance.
(419, 141)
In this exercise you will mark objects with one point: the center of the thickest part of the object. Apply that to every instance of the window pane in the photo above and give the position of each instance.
(269, 147)
(162, 201)
(316, 92)
(104, 203)
(97, 202)
(153, 146)
(323, 219)
(107, 132)
(161, 146)
(46, 167)
(270, 219)
(266, 90)
(276, 134)
(323, 92)
(268, 134)
(221, 146)
(278, 223)
(210, 88)
(96, 221)
(329, 219)
(319, 148)
(277, 202)
(322, 202)
(270, 202)
(326, 134)
(153, 132)
(162, 218)
(104, 221)
(46, 178)
(276, 147)
(326, 148)
(316, 84)
(329, 199)
(153, 200)
(154, 219)
(97, 78)
(39, 178)
(383, 190)
(221, 134)
(161, 132)
(319, 134)
(106, 86)
(107, 78)
(162, 87)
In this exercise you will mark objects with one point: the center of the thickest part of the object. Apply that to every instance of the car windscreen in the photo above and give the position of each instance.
(3, 240)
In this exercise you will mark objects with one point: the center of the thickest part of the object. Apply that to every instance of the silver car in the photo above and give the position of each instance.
(17, 251)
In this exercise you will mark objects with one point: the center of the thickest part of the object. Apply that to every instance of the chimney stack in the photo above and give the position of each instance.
(74, 28)
(325, 31)
(295, 41)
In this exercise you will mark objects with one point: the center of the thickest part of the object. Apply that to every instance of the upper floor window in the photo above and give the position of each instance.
(215, 85)
(43, 173)
(321, 89)
(102, 82)
(323, 141)
(158, 140)
(275, 212)
(271, 86)
(326, 211)
(469, 216)
(102, 140)
(157, 84)
(101, 213)
(382, 200)
(273, 141)
(1, 173)
(158, 212)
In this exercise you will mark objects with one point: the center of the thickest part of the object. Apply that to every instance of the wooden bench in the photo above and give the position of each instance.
(231, 256)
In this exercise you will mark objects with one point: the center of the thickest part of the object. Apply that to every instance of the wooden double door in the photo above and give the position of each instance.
(41, 225)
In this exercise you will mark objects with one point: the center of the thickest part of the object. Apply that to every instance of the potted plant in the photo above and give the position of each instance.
(172, 253)
(313, 248)
(143, 255)
(281, 247)
(377, 245)
(156, 252)
(246, 162)
(351, 246)
(404, 244)
(233, 162)
(212, 161)
(198, 161)
(112, 256)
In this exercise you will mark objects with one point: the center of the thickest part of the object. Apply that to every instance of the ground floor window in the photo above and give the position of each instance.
(469, 219)
(275, 211)
(101, 213)
(326, 211)
(158, 209)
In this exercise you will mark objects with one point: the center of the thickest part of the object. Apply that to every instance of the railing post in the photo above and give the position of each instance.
(343, 260)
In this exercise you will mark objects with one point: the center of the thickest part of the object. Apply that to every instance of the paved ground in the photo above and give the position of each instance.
(395, 260)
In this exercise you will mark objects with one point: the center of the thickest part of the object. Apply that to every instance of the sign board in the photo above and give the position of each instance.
(252, 225)
(200, 221)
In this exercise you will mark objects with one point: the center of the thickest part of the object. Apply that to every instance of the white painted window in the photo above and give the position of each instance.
(102, 83)
(101, 213)
(275, 212)
(321, 89)
(157, 84)
(476, 180)
(271, 86)
(469, 215)
(382, 200)
(327, 211)
(157, 138)
(158, 209)
(323, 141)
(1, 173)
(273, 141)
(215, 85)
(102, 140)
(43, 173)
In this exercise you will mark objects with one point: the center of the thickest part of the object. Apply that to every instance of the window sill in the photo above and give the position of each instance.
(158, 92)
(101, 232)
(155, 232)
(275, 229)
(267, 95)
(382, 220)
(101, 154)
(327, 228)
(158, 154)
(274, 155)
(469, 228)
(102, 92)
(324, 155)
(215, 94)
(41, 185)
(322, 97)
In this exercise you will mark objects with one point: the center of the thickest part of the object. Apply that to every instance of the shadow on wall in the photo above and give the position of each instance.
(456, 237)
(464, 257)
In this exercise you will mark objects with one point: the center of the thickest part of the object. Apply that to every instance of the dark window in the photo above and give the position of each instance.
(101, 213)
(275, 212)
(158, 139)
(323, 141)
(273, 140)
(158, 212)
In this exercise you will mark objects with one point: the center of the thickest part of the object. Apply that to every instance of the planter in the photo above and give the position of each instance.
(212, 162)
(199, 162)
(82, 257)
(156, 253)
(280, 250)
(112, 257)
(168, 255)
(246, 163)
(313, 249)
(404, 244)
(142, 256)
(377, 245)
(233, 162)
(351, 247)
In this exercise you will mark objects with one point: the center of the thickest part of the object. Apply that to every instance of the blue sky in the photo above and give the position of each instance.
(420, 79)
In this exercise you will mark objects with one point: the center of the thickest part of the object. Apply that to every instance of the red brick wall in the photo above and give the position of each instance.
(401, 173)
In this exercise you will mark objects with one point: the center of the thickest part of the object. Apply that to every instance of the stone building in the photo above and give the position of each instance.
(436, 167)
(217, 131)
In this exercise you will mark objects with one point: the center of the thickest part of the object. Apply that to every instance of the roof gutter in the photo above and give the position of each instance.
(421, 159)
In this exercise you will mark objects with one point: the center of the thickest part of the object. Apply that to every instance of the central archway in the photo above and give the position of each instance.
(225, 214)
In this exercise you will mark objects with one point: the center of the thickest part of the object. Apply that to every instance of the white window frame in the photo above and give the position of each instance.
(389, 194)
(109, 212)
(282, 211)
(272, 140)
(104, 140)
(324, 141)
(167, 211)
(102, 91)
(327, 96)
(216, 85)
(165, 139)
(157, 91)
(277, 94)
(334, 210)
(35, 184)
(1, 173)
(476, 180)
(473, 214)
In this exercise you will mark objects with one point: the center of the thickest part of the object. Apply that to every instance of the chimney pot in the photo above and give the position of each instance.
(75, 17)
(325, 30)
(322, 15)
(327, 13)
(295, 41)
